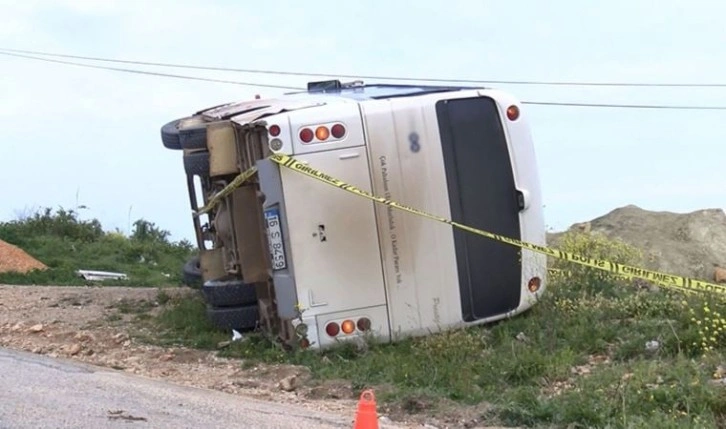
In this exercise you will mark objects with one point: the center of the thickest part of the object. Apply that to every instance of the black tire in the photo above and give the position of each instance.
(192, 273)
(170, 135)
(197, 163)
(193, 136)
(229, 293)
(238, 318)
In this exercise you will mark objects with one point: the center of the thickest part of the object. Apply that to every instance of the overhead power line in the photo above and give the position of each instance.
(374, 77)
(625, 106)
(264, 85)
(177, 76)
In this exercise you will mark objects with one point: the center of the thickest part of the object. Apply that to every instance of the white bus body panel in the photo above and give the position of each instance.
(333, 235)
(419, 255)
(395, 268)
(420, 265)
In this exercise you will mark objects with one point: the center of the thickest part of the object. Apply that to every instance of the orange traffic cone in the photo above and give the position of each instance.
(366, 417)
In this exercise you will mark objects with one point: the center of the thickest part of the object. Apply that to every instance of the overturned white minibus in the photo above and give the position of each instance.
(315, 264)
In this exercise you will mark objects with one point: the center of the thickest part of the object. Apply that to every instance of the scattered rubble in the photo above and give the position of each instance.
(57, 327)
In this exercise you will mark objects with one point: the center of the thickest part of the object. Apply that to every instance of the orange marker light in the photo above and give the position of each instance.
(512, 112)
(322, 133)
(348, 326)
(534, 284)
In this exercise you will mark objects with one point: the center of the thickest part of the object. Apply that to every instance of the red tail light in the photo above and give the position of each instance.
(274, 130)
(534, 284)
(332, 329)
(338, 131)
(364, 324)
(306, 135)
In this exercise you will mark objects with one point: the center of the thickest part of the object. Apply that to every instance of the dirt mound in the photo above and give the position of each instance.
(687, 244)
(15, 259)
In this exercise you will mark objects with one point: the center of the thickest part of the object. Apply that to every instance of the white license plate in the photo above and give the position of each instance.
(274, 235)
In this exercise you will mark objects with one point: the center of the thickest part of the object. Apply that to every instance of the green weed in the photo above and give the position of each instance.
(597, 351)
(66, 243)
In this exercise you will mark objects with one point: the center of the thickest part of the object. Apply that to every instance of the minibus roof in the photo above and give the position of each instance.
(359, 91)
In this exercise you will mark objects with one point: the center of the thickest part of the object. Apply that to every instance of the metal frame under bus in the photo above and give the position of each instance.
(329, 265)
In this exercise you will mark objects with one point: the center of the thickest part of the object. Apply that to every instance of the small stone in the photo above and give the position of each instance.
(166, 357)
(522, 337)
(85, 337)
(36, 328)
(652, 346)
(120, 338)
(18, 326)
(384, 420)
(75, 349)
(581, 370)
(223, 344)
(288, 384)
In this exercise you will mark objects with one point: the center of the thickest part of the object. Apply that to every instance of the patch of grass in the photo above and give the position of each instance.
(162, 297)
(131, 306)
(66, 243)
(113, 317)
(185, 323)
(600, 354)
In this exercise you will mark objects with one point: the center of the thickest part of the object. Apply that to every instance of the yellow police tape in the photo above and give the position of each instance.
(237, 182)
(669, 281)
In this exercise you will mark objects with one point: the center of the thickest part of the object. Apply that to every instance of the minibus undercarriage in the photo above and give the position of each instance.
(233, 242)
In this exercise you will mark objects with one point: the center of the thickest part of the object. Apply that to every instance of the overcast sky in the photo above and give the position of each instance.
(73, 135)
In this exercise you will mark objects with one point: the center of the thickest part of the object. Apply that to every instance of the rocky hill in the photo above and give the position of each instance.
(689, 244)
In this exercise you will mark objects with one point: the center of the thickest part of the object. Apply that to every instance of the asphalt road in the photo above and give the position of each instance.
(41, 392)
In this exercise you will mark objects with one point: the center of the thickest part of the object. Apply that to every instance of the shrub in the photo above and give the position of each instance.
(66, 243)
(581, 279)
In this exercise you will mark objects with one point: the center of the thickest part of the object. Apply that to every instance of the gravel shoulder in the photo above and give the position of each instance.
(92, 397)
(84, 324)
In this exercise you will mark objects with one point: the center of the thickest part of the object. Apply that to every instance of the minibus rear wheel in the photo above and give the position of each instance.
(192, 273)
(197, 163)
(229, 292)
(242, 318)
(194, 135)
(170, 135)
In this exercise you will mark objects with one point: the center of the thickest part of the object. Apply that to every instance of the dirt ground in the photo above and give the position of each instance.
(85, 324)
(16, 259)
